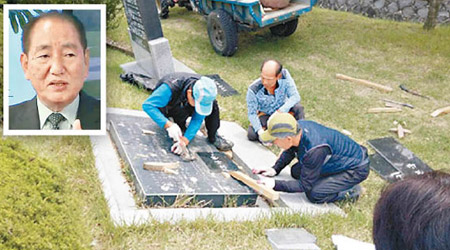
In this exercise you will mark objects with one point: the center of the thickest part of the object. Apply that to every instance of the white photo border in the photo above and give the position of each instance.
(6, 27)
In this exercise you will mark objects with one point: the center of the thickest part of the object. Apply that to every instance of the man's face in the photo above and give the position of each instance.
(269, 75)
(284, 143)
(56, 63)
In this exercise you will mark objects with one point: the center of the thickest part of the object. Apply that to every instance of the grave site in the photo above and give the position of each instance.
(201, 177)
(203, 181)
(128, 190)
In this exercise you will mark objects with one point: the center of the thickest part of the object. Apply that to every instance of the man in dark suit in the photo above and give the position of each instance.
(55, 59)
(26, 116)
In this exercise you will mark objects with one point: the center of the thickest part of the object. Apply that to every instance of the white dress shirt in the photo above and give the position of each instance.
(69, 112)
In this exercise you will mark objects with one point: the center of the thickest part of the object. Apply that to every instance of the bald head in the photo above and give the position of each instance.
(270, 74)
(271, 67)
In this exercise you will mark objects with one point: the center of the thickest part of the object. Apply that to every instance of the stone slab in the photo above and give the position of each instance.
(116, 190)
(383, 168)
(124, 210)
(291, 238)
(399, 157)
(194, 181)
(223, 88)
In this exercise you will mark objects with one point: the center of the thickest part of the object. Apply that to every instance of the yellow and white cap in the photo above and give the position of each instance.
(279, 125)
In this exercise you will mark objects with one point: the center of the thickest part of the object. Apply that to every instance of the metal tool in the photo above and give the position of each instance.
(399, 103)
(187, 155)
(404, 88)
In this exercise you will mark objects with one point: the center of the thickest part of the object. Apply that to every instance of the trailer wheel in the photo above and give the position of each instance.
(222, 33)
(285, 29)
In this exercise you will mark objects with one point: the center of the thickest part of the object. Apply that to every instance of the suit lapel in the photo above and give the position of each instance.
(31, 115)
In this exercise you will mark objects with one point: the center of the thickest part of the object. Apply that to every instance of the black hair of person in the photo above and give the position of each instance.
(27, 30)
(414, 214)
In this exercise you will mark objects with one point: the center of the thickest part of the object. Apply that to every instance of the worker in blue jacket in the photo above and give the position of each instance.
(330, 164)
(274, 91)
(179, 96)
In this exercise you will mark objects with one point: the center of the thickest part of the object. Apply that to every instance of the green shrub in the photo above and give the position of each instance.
(36, 209)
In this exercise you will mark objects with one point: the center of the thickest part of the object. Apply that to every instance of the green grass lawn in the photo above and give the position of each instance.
(59, 189)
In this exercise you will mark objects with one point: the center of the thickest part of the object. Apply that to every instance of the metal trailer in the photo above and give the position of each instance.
(226, 17)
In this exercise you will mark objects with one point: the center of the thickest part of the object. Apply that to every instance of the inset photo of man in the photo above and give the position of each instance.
(54, 57)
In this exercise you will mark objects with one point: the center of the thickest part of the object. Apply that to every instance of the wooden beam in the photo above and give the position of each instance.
(160, 166)
(268, 193)
(398, 103)
(441, 111)
(400, 131)
(384, 110)
(364, 83)
(392, 105)
(148, 132)
(406, 131)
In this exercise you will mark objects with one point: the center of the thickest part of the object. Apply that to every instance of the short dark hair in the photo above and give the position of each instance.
(280, 66)
(53, 14)
(414, 213)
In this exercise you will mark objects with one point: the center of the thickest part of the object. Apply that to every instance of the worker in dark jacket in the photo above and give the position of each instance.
(183, 95)
(330, 165)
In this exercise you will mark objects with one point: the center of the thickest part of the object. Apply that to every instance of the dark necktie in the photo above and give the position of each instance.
(55, 119)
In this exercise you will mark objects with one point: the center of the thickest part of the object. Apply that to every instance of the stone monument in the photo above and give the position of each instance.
(151, 49)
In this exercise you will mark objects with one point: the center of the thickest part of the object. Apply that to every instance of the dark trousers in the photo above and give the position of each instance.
(180, 115)
(336, 187)
(297, 111)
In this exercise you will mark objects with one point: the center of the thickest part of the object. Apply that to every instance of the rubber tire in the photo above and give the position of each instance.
(285, 29)
(222, 32)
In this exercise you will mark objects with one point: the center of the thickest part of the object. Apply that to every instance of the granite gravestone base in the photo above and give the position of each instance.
(201, 182)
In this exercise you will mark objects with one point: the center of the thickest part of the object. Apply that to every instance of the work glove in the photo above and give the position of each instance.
(267, 144)
(174, 132)
(269, 172)
(268, 182)
(177, 147)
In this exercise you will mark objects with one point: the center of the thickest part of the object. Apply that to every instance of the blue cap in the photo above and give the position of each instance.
(205, 92)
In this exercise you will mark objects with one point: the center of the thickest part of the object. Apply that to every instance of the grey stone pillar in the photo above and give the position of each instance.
(151, 49)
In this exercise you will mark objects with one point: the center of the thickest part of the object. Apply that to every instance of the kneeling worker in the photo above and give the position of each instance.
(183, 95)
(330, 164)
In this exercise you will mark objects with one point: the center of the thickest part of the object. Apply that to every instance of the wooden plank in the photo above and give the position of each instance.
(398, 103)
(268, 193)
(148, 132)
(160, 166)
(441, 111)
(364, 83)
(406, 131)
(392, 105)
(384, 110)
(400, 131)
